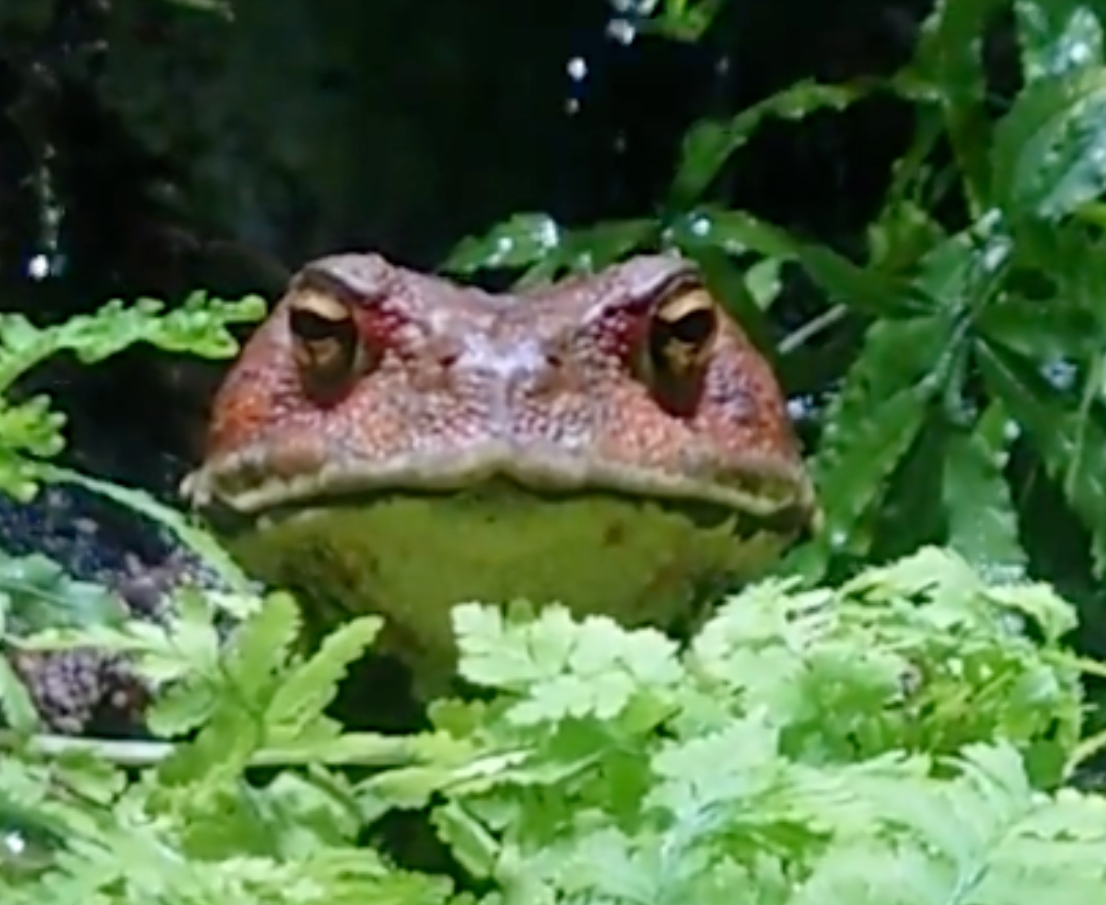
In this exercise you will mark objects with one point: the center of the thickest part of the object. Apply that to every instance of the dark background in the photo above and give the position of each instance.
(148, 147)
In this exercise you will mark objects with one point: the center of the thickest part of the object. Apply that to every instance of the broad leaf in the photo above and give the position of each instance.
(1049, 151)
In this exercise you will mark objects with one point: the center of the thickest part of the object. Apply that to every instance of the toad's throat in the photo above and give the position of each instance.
(255, 481)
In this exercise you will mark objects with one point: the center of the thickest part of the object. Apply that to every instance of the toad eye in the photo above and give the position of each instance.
(325, 342)
(681, 333)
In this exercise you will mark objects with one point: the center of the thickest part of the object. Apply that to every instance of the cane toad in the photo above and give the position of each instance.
(393, 442)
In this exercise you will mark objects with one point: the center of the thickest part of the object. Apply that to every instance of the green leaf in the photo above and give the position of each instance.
(222, 8)
(198, 326)
(709, 144)
(949, 57)
(16, 706)
(517, 242)
(682, 20)
(896, 356)
(30, 428)
(1071, 442)
(36, 593)
(1057, 37)
(777, 752)
(309, 688)
(1048, 150)
(869, 426)
(983, 525)
(853, 480)
(904, 233)
(737, 232)
(911, 512)
(537, 242)
(1045, 330)
(571, 669)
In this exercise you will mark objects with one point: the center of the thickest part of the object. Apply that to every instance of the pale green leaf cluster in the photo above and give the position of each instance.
(30, 430)
(900, 739)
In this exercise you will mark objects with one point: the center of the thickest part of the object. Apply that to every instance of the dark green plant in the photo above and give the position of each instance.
(970, 412)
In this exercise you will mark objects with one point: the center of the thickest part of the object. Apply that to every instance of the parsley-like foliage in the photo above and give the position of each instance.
(903, 738)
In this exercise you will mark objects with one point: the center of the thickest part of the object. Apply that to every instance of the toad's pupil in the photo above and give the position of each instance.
(695, 327)
(312, 326)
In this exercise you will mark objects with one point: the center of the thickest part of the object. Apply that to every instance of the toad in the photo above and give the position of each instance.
(397, 443)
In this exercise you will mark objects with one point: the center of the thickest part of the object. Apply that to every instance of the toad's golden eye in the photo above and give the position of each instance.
(325, 342)
(682, 332)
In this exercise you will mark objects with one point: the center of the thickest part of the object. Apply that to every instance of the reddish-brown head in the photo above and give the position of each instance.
(370, 376)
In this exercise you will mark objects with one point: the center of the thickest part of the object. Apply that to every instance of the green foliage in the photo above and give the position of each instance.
(981, 331)
(35, 592)
(30, 431)
(894, 740)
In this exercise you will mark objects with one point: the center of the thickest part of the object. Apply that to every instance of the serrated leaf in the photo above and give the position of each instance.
(476, 848)
(681, 20)
(516, 242)
(896, 355)
(1048, 150)
(307, 690)
(198, 326)
(949, 56)
(568, 669)
(853, 479)
(736, 232)
(16, 705)
(1057, 37)
(859, 451)
(258, 649)
(911, 512)
(1071, 443)
(538, 243)
(983, 524)
(967, 269)
(710, 143)
(1048, 330)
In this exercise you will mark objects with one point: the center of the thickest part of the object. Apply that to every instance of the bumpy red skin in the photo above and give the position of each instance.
(540, 384)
